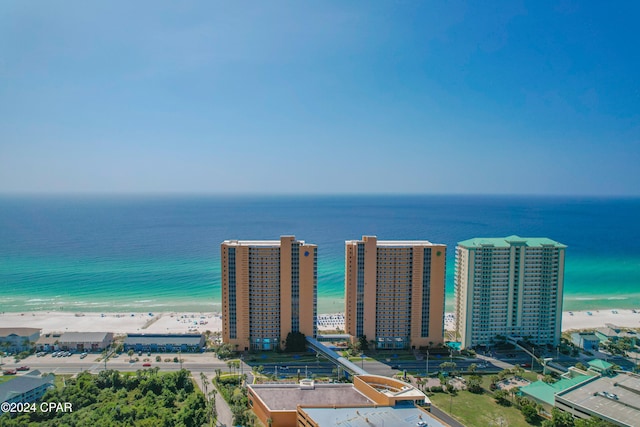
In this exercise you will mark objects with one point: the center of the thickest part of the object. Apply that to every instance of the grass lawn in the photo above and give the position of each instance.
(359, 359)
(59, 380)
(478, 410)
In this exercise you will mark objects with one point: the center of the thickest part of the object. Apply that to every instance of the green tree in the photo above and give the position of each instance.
(592, 422)
(580, 366)
(559, 419)
(295, 342)
(364, 344)
(502, 397)
(474, 384)
(225, 351)
(530, 413)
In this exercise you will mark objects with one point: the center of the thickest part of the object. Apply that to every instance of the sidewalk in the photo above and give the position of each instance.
(225, 417)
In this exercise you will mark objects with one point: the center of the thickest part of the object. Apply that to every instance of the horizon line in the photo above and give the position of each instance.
(176, 194)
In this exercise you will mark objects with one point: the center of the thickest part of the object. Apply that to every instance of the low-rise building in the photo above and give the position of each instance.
(25, 388)
(16, 340)
(304, 404)
(613, 333)
(611, 398)
(597, 392)
(600, 366)
(585, 340)
(161, 343)
(396, 416)
(85, 341)
(544, 393)
(49, 342)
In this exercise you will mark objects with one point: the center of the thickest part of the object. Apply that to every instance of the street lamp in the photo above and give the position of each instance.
(363, 356)
(427, 365)
(533, 354)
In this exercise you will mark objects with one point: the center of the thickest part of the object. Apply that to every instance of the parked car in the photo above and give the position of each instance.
(146, 365)
(9, 372)
(23, 368)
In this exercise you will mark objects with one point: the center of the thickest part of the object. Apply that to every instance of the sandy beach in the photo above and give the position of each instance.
(118, 323)
(578, 320)
(178, 322)
(593, 319)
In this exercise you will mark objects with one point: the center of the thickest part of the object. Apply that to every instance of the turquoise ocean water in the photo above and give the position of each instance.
(162, 253)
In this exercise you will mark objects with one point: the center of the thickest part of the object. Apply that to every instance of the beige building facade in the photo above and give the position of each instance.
(269, 288)
(394, 292)
(509, 286)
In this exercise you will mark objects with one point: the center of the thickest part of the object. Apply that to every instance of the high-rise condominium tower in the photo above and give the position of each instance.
(509, 286)
(268, 290)
(394, 291)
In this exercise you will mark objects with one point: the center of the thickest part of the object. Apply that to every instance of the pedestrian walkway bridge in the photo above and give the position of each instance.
(334, 357)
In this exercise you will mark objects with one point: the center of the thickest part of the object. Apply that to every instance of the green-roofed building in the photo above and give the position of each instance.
(600, 366)
(544, 393)
(509, 286)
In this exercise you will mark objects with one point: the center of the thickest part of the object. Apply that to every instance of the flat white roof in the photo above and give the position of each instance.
(404, 243)
(262, 243)
(275, 243)
(399, 243)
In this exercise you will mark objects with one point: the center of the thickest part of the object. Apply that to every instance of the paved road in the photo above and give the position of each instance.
(73, 364)
(445, 417)
(225, 416)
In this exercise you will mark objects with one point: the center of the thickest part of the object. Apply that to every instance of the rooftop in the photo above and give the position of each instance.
(407, 243)
(49, 338)
(546, 392)
(22, 384)
(396, 243)
(283, 397)
(262, 243)
(614, 398)
(403, 416)
(21, 332)
(611, 330)
(600, 364)
(506, 242)
(586, 335)
(84, 336)
(163, 339)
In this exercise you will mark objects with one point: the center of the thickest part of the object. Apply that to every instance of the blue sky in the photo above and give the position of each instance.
(320, 97)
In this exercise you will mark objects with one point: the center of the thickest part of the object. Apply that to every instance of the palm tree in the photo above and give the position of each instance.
(214, 408)
(514, 391)
(203, 378)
